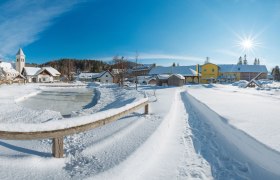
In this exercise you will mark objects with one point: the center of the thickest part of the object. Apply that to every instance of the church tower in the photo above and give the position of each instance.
(20, 60)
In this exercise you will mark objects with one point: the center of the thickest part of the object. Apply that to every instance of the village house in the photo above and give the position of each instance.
(162, 79)
(44, 74)
(176, 80)
(7, 72)
(190, 73)
(103, 77)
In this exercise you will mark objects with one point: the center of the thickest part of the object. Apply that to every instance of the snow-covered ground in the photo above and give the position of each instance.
(191, 132)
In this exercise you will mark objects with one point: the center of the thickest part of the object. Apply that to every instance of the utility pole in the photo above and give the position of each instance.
(136, 79)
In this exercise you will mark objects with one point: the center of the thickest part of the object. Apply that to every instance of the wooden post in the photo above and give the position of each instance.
(57, 147)
(147, 109)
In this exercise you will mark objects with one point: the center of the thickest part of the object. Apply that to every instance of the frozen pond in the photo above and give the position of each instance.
(63, 100)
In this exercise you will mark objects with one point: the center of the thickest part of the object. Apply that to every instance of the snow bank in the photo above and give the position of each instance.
(254, 112)
(241, 83)
(231, 152)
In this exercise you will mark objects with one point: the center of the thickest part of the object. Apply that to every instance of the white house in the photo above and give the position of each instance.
(44, 74)
(104, 77)
(7, 71)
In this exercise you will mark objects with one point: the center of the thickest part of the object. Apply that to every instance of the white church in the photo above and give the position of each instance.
(29, 74)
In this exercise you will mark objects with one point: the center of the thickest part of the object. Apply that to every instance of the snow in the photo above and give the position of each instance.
(51, 70)
(163, 76)
(191, 132)
(254, 112)
(8, 67)
(242, 68)
(31, 71)
(179, 76)
(183, 70)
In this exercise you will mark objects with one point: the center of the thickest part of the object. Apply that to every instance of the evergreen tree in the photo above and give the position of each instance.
(174, 64)
(245, 62)
(256, 61)
(276, 73)
(240, 61)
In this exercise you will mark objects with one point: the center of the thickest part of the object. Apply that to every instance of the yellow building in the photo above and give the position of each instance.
(209, 73)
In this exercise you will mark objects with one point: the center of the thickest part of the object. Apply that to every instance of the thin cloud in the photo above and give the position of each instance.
(227, 52)
(155, 57)
(22, 21)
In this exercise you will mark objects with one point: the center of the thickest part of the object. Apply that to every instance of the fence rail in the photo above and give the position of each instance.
(57, 135)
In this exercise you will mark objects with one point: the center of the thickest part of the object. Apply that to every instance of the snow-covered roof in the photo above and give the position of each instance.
(51, 70)
(5, 65)
(20, 52)
(102, 73)
(242, 68)
(163, 76)
(183, 70)
(178, 75)
(31, 71)
(86, 75)
(8, 67)
(143, 67)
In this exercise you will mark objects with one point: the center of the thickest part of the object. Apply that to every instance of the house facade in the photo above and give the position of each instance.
(176, 80)
(7, 71)
(104, 77)
(41, 75)
(209, 73)
(233, 72)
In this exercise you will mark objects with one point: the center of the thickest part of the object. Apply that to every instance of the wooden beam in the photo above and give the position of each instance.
(147, 109)
(57, 147)
(9, 135)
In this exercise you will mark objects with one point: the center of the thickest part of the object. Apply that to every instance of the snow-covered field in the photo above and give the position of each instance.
(191, 132)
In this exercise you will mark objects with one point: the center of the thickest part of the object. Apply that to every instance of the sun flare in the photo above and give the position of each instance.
(247, 44)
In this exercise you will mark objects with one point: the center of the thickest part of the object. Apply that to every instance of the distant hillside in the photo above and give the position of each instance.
(68, 66)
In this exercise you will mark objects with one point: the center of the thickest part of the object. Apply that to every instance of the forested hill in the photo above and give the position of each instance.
(67, 66)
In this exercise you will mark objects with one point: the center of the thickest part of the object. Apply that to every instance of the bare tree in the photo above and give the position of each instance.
(122, 66)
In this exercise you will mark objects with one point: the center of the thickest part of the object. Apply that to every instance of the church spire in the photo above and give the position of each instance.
(20, 52)
(20, 60)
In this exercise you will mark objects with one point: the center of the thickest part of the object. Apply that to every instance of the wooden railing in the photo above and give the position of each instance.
(57, 135)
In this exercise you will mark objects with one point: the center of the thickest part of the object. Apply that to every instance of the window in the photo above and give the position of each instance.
(17, 60)
(106, 75)
(106, 81)
(239, 69)
(213, 70)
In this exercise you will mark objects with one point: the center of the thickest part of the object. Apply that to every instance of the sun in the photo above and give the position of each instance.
(247, 44)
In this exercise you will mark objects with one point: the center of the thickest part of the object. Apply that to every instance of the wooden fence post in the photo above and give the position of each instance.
(147, 109)
(57, 147)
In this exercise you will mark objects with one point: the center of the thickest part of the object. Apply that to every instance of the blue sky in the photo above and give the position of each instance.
(161, 31)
